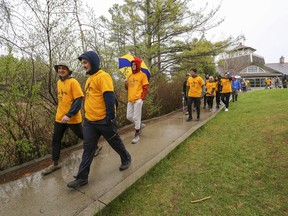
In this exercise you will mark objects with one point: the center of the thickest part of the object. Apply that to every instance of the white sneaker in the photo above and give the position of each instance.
(136, 138)
(226, 109)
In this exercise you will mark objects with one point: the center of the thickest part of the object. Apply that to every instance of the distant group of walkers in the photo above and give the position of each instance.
(195, 88)
(268, 82)
(100, 112)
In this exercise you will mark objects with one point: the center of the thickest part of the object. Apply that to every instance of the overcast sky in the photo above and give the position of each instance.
(264, 23)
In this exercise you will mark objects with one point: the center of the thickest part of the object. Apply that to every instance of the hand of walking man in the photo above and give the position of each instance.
(65, 119)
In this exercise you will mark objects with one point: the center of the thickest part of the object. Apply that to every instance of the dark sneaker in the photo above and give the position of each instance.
(77, 183)
(142, 126)
(136, 138)
(198, 119)
(125, 165)
(189, 119)
(98, 151)
(50, 169)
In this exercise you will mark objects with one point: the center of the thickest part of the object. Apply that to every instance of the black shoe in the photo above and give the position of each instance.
(198, 119)
(125, 165)
(77, 183)
(189, 119)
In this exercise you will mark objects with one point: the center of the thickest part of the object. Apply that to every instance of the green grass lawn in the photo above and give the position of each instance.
(239, 159)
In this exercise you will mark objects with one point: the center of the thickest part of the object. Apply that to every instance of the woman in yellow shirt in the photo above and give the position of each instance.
(226, 83)
(210, 92)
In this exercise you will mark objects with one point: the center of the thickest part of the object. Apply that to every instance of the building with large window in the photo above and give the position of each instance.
(243, 61)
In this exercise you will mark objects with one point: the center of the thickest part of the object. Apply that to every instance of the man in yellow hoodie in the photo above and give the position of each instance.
(137, 86)
(100, 118)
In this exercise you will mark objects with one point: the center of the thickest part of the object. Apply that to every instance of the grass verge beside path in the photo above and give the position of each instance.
(238, 159)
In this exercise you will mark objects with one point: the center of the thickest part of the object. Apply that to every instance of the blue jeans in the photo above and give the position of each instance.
(92, 131)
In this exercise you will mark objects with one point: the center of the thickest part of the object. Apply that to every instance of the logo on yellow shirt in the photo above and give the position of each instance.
(60, 94)
(87, 90)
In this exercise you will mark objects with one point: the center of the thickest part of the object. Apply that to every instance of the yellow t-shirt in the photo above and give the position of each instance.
(68, 90)
(96, 85)
(209, 87)
(226, 85)
(216, 86)
(268, 82)
(135, 85)
(195, 84)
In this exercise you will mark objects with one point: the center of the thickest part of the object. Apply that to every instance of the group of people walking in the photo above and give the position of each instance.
(100, 112)
(195, 88)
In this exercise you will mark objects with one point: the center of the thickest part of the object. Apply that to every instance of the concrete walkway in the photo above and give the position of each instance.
(49, 195)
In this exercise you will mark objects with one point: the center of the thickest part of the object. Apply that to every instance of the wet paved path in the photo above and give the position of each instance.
(49, 195)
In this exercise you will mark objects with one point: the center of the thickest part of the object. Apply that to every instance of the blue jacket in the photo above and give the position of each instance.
(236, 85)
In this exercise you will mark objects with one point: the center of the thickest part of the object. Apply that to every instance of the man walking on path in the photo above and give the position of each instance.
(137, 86)
(226, 90)
(244, 86)
(236, 87)
(268, 83)
(218, 87)
(284, 81)
(100, 118)
(68, 113)
(196, 90)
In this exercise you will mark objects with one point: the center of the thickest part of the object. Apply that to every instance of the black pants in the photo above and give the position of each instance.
(210, 101)
(59, 130)
(225, 97)
(218, 96)
(205, 101)
(92, 132)
(196, 102)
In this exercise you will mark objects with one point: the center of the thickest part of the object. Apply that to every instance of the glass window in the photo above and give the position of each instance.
(252, 69)
(257, 82)
(252, 82)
